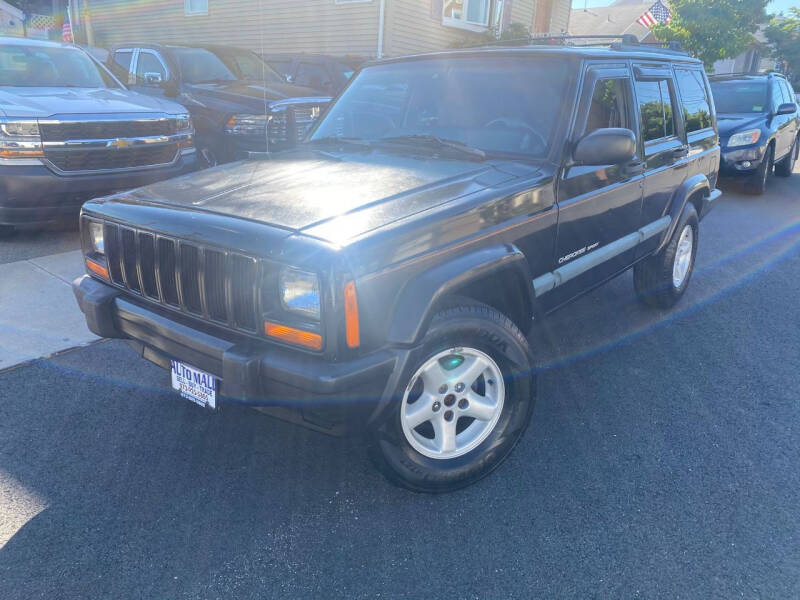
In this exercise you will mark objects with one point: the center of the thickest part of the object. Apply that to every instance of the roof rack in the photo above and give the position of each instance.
(625, 42)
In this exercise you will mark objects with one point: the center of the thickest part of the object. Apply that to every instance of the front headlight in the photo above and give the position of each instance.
(96, 237)
(20, 139)
(745, 138)
(299, 293)
(247, 125)
(184, 123)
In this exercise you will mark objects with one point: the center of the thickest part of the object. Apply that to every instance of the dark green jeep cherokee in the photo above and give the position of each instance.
(383, 276)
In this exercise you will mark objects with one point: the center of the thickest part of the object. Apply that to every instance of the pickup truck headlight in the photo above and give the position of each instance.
(96, 237)
(744, 138)
(20, 139)
(247, 125)
(184, 123)
(299, 293)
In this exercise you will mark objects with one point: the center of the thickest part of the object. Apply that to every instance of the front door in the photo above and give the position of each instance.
(598, 204)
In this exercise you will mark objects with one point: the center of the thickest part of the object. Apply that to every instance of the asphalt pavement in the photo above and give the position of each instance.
(662, 462)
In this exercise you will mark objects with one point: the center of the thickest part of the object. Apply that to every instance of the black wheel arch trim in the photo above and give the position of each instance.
(691, 186)
(417, 301)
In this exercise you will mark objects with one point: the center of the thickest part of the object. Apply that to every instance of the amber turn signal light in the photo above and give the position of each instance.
(352, 332)
(97, 268)
(291, 335)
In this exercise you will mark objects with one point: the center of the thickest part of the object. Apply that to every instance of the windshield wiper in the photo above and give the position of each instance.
(336, 139)
(434, 140)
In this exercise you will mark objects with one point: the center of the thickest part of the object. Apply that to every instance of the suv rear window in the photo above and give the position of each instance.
(696, 106)
(498, 104)
(740, 97)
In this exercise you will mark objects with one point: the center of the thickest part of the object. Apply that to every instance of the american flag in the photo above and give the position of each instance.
(658, 13)
(66, 28)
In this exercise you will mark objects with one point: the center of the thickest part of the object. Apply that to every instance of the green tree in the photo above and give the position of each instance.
(784, 35)
(713, 29)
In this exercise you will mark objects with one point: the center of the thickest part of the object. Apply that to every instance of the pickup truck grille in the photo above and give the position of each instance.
(291, 126)
(111, 158)
(215, 285)
(95, 130)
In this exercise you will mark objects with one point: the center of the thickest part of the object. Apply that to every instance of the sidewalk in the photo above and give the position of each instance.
(38, 313)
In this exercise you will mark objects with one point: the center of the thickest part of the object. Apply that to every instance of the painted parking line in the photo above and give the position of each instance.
(38, 312)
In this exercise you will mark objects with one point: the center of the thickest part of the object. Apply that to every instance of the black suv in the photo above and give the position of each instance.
(385, 274)
(758, 126)
(234, 96)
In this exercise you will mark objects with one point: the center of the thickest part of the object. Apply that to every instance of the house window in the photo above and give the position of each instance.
(195, 7)
(470, 14)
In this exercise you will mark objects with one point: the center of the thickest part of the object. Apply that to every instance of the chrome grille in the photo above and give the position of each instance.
(95, 130)
(111, 158)
(215, 285)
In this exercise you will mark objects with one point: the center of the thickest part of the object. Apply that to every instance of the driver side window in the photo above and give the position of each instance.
(610, 105)
(149, 65)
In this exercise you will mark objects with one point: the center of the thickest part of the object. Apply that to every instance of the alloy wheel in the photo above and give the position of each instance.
(683, 257)
(452, 403)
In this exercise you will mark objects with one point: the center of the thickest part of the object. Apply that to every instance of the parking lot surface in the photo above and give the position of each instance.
(661, 462)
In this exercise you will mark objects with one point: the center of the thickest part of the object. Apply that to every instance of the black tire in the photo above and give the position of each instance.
(468, 326)
(653, 277)
(785, 166)
(756, 184)
(208, 157)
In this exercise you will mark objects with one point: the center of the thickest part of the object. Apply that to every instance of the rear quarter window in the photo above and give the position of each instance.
(695, 103)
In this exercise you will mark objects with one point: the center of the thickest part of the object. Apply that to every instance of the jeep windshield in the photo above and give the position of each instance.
(37, 66)
(740, 97)
(494, 104)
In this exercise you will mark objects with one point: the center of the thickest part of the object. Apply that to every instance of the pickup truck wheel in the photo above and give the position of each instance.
(464, 401)
(208, 156)
(785, 166)
(661, 279)
(757, 182)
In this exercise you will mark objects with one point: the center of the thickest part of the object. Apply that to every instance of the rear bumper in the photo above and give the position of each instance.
(317, 393)
(34, 195)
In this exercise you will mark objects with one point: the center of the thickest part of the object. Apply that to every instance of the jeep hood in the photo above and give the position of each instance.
(317, 193)
(43, 102)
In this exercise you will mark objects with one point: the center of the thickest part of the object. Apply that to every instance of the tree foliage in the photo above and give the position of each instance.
(713, 29)
(784, 35)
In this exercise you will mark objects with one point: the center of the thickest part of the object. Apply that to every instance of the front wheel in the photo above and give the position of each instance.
(661, 279)
(785, 166)
(465, 399)
(757, 182)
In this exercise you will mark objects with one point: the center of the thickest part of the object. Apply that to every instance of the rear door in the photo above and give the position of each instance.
(698, 121)
(664, 147)
(598, 204)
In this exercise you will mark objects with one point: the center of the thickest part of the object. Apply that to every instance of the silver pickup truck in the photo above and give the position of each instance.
(70, 131)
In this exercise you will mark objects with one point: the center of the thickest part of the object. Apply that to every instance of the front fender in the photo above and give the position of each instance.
(418, 299)
(692, 185)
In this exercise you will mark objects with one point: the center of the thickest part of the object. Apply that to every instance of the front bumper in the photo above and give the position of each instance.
(302, 388)
(33, 195)
(741, 160)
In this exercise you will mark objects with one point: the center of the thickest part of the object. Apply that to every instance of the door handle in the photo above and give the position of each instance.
(635, 168)
(681, 152)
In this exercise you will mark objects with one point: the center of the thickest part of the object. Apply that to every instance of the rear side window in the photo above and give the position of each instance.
(610, 105)
(694, 99)
(655, 106)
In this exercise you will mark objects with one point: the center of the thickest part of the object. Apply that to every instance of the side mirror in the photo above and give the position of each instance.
(289, 78)
(153, 78)
(609, 146)
(170, 88)
(788, 108)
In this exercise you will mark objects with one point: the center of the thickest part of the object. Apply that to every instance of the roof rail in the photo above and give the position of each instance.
(625, 42)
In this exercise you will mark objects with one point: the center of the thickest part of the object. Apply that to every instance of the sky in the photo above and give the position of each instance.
(775, 6)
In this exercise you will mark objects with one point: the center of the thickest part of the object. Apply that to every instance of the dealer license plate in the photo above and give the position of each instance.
(195, 385)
